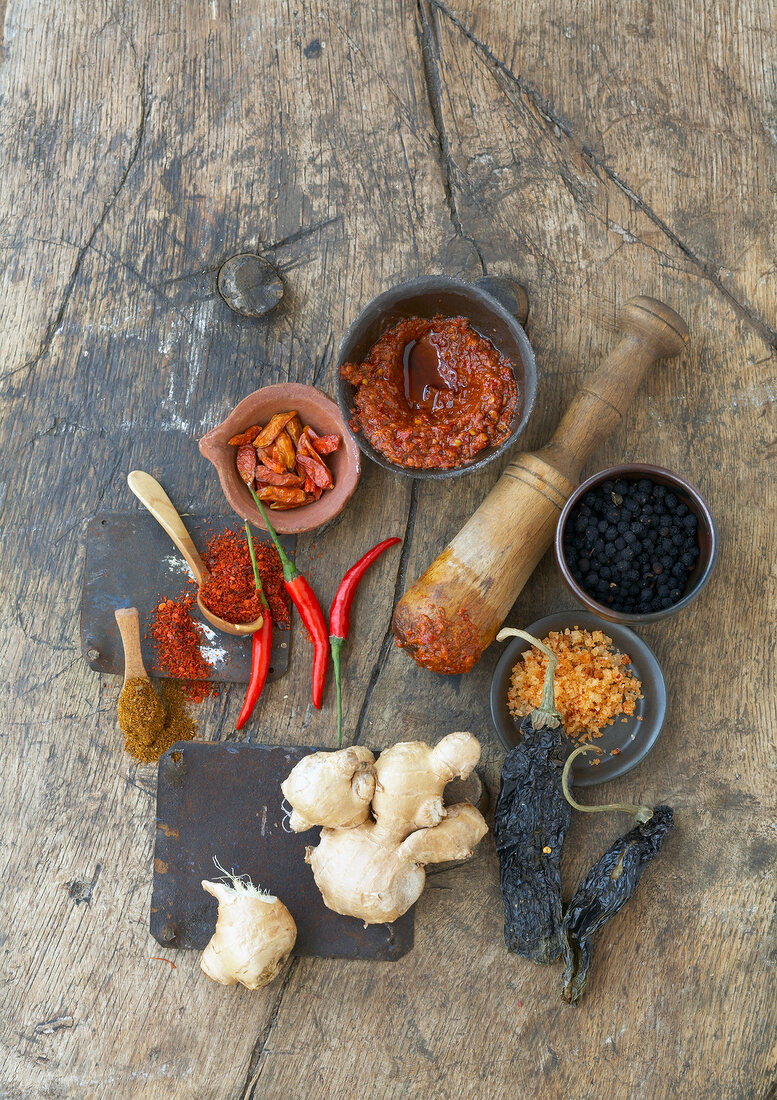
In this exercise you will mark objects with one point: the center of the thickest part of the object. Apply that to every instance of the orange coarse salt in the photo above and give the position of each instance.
(592, 683)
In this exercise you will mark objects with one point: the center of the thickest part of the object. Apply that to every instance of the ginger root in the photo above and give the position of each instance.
(331, 788)
(254, 935)
(373, 868)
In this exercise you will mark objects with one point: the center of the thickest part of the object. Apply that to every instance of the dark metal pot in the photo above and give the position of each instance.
(706, 539)
(486, 312)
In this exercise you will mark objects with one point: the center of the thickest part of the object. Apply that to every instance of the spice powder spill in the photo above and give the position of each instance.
(592, 685)
(145, 736)
(177, 639)
(141, 714)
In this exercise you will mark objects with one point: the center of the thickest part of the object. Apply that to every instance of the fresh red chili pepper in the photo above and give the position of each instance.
(340, 616)
(261, 645)
(304, 599)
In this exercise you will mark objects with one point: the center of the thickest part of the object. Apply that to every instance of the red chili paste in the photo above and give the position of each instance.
(436, 642)
(433, 393)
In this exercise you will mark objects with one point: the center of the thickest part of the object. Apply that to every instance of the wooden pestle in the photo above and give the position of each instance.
(453, 612)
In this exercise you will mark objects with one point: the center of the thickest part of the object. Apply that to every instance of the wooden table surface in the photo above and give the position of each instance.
(592, 150)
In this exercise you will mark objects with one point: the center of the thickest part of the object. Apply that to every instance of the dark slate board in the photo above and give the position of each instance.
(224, 800)
(131, 562)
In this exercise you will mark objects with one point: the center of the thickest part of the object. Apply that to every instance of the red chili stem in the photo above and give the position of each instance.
(340, 617)
(336, 645)
(290, 570)
(304, 599)
(261, 645)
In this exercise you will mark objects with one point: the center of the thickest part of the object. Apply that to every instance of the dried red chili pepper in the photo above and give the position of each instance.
(246, 462)
(274, 494)
(286, 449)
(268, 459)
(270, 477)
(340, 616)
(269, 434)
(304, 599)
(261, 645)
(245, 437)
(294, 429)
(312, 463)
(287, 455)
(326, 444)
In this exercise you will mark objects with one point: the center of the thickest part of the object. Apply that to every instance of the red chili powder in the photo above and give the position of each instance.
(177, 638)
(230, 590)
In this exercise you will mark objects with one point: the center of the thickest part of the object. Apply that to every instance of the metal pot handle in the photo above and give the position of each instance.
(509, 293)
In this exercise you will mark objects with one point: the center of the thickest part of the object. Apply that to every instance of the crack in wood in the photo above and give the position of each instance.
(48, 1027)
(541, 106)
(399, 587)
(301, 233)
(256, 1063)
(108, 206)
(428, 40)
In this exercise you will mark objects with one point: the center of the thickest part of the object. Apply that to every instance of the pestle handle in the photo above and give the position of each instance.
(651, 330)
(129, 628)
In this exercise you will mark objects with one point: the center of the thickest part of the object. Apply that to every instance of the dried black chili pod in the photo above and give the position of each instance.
(608, 885)
(531, 821)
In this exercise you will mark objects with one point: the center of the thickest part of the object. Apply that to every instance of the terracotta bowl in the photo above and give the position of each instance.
(315, 409)
(706, 539)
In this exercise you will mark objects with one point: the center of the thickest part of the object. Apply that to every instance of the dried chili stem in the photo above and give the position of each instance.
(545, 714)
(640, 813)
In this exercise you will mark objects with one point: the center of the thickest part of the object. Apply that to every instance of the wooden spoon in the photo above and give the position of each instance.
(134, 669)
(151, 494)
(129, 628)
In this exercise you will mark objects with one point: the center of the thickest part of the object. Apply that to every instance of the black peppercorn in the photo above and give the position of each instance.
(632, 545)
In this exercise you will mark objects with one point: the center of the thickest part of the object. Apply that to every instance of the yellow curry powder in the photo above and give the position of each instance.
(150, 726)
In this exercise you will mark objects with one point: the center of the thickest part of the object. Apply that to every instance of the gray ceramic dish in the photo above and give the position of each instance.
(633, 738)
(454, 298)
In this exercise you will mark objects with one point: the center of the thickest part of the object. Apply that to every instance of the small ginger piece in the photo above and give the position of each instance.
(374, 869)
(254, 935)
(331, 788)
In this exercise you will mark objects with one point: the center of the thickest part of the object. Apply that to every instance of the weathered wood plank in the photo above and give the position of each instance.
(118, 355)
(539, 207)
(594, 155)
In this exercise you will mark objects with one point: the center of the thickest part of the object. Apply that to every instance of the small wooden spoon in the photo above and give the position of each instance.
(151, 494)
(129, 628)
(134, 669)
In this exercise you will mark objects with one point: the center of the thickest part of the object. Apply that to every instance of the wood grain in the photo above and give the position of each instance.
(592, 151)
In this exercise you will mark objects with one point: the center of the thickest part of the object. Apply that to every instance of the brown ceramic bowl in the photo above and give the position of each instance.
(706, 537)
(315, 409)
